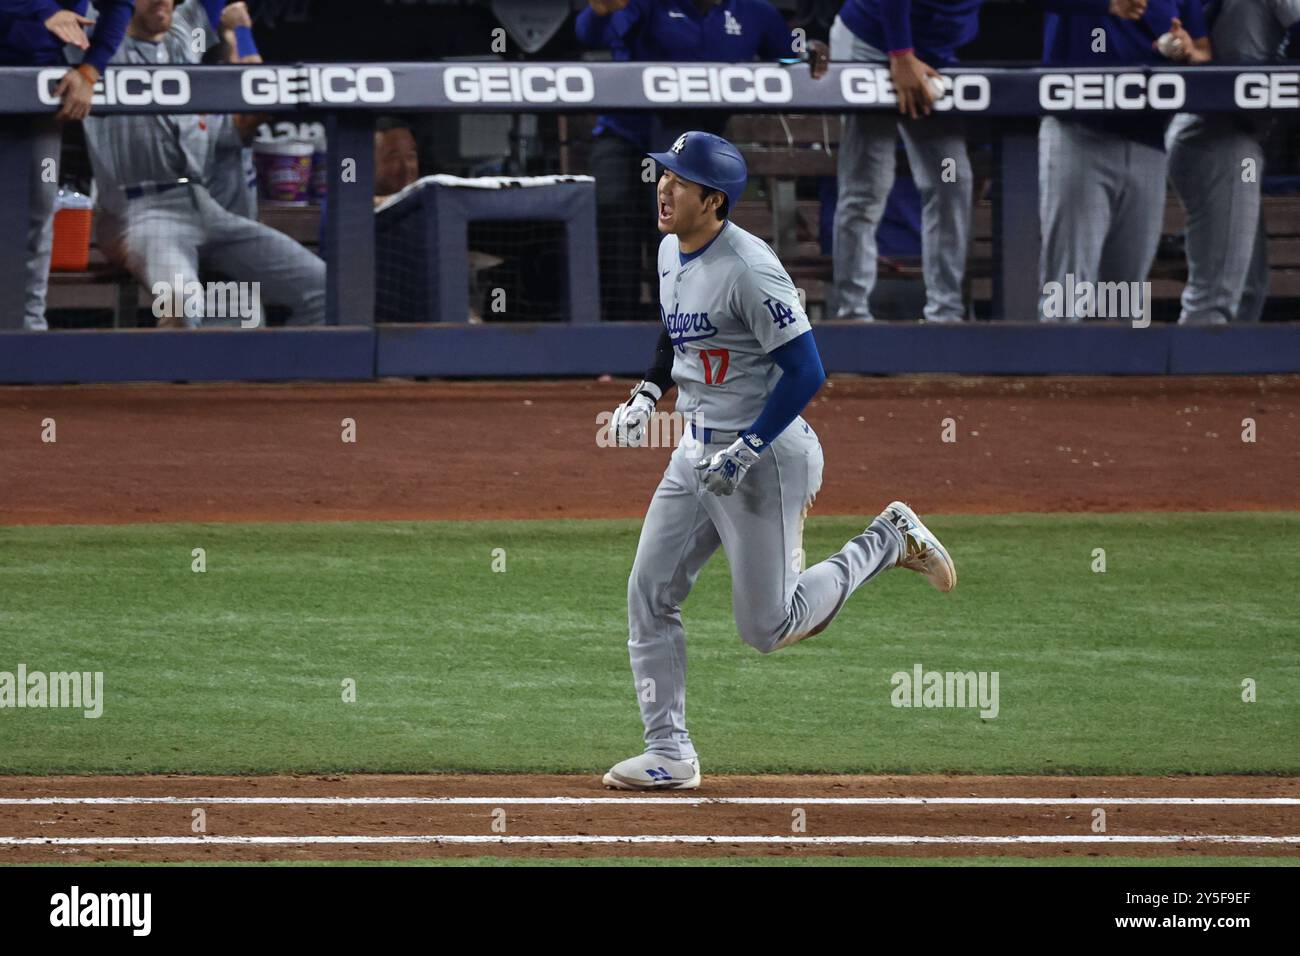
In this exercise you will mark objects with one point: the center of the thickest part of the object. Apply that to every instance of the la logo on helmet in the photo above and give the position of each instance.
(680, 144)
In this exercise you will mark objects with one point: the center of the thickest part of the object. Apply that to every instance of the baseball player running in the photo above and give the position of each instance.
(739, 347)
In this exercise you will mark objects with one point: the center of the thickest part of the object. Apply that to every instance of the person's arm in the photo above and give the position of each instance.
(594, 24)
(660, 372)
(801, 376)
(776, 41)
(765, 299)
(591, 28)
(110, 30)
(1196, 33)
(198, 15)
(31, 9)
(70, 27)
(1190, 49)
(896, 22)
(213, 8)
(628, 424)
(236, 28)
(909, 74)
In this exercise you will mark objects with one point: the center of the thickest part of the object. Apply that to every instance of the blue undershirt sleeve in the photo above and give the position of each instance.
(801, 376)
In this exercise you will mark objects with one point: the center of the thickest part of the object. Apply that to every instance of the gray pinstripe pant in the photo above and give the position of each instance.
(1227, 245)
(866, 175)
(46, 141)
(164, 236)
(760, 527)
(1101, 204)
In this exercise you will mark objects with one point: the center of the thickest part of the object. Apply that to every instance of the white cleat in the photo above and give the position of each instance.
(922, 552)
(654, 772)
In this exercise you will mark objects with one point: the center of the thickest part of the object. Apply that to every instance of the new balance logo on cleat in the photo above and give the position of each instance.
(658, 773)
(922, 551)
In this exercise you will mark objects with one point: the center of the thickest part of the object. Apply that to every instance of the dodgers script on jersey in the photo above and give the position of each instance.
(725, 310)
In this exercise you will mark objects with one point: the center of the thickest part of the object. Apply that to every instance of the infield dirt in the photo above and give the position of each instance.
(528, 449)
(667, 814)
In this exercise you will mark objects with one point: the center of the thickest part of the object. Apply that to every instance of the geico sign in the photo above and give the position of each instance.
(1259, 91)
(518, 84)
(1111, 91)
(125, 86)
(871, 86)
(269, 86)
(716, 84)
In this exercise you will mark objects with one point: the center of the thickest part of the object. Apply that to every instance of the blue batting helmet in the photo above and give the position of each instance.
(708, 160)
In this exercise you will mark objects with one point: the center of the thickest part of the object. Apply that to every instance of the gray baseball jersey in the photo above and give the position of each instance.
(128, 150)
(231, 177)
(725, 309)
(1251, 31)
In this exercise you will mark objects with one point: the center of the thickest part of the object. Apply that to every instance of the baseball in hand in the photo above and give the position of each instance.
(936, 87)
(1169, 46)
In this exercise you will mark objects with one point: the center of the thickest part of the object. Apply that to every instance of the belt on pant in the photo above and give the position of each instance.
(713, 436)
(153, 189)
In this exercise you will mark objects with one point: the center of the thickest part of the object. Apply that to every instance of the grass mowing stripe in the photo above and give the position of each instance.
(457, 668)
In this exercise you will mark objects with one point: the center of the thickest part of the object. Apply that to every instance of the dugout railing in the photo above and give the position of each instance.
(346, 98)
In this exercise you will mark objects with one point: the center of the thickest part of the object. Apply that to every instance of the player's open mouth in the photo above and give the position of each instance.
(665, 211)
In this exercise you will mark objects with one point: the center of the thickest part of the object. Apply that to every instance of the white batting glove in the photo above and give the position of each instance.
(723, 472)
(631, 418)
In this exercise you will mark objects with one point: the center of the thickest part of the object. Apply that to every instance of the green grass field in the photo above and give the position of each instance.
(458, 668)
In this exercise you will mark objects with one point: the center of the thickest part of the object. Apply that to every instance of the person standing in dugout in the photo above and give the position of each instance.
(913, 37)
(38, 33)
(1227, 243)
(1102, 178)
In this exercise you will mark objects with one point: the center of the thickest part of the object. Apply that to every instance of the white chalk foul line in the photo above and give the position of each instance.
(661, 801)
(452, 839)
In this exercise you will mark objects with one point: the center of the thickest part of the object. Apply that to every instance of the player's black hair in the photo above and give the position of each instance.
(707, 191)
(391, 121)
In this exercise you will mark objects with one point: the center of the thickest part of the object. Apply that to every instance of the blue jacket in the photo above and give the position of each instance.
(674, 31)
(24, 41)
(1069, 24)
(1068, 41)
(934, 29)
